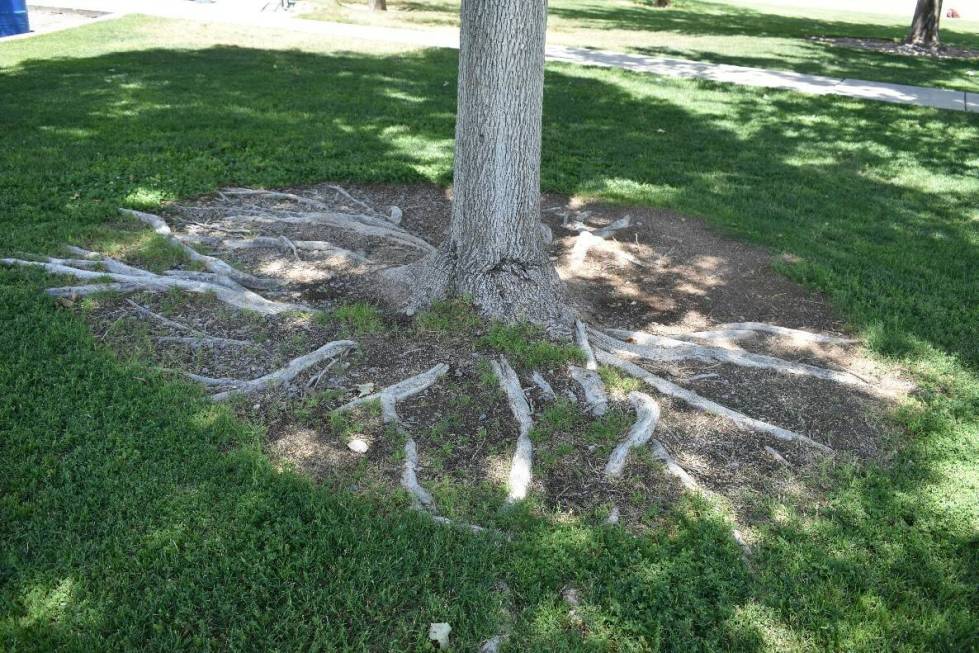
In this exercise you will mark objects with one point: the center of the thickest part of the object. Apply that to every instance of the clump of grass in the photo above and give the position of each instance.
(152, 252)
(356, 318)
(357, 421)
(609, 428)
(618, 383)
(456, 315)
(525, 345)
(560, 415)
(309, 407)
(487, 377)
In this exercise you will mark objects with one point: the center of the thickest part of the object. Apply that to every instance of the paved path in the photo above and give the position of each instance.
(250, 13)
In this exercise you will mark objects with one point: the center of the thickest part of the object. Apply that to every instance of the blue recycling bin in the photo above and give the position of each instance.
(13, 17)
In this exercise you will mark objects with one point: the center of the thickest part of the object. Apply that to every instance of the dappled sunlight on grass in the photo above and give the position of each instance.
(180, 531)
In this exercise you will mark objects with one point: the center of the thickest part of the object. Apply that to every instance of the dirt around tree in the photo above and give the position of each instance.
(627, 270)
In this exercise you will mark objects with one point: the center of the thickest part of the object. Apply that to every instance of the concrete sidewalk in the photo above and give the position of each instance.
(265, 14)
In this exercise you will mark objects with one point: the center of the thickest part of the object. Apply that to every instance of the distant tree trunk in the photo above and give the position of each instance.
(377, 5)
(496, 252)
(924, 27)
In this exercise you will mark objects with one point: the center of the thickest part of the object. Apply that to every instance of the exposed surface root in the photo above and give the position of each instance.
(581, 337)
(596, 399)
(697, 401)
(204, 341)
(215, 265)
(776, 456)
(797, 335)
(409, 478)
(522, 463)
(661, 349)
(589, 239)
(173, 324)
(372, 223)
(647, 415)
(283, 244)
(545, 388)
(149, 282)
(661, 454)
(300, 199)
(289, 372)
(391, 395)
(716, 335)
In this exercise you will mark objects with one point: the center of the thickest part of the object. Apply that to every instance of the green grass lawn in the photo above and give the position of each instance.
(135, 514)
(741, 32)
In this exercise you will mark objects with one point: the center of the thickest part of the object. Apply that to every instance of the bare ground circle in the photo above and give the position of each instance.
(663, 274)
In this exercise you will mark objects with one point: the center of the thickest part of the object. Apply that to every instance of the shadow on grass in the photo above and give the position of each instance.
(135, 513)
(720, 19)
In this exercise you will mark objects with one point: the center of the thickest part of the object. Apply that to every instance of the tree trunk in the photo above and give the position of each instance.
(924, 26)
(377, 5)
(496, 251)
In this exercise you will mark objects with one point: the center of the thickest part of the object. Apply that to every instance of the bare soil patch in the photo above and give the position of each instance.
(893, 47)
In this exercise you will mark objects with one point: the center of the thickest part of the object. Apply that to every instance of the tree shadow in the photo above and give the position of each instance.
(172, 527)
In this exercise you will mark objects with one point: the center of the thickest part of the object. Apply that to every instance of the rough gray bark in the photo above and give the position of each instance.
(496, 252)
(924, 25)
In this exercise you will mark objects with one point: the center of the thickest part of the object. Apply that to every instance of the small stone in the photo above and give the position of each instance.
(395, 215)
(256, 406)
(439, 633)
(358, 445)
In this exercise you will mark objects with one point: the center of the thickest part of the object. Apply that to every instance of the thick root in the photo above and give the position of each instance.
(391, 395)
(589, 239)
(282, 243)
(212, 264)
(287, 373)
(521, 467)
(661, 454)
(798, 335)
(409, 479)
(363, 225)
(647, 415)
(662, 349)
(697, 401)
(149, 282)
(545, 388)
(581, 337)
(596, 399)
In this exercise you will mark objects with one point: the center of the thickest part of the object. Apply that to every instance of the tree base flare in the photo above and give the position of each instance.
(509, 291)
